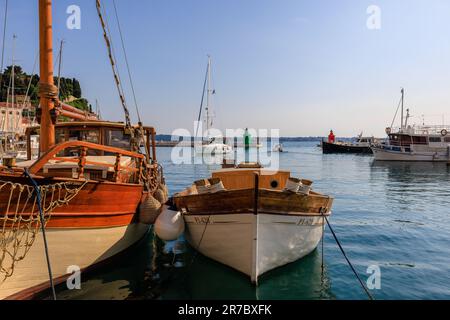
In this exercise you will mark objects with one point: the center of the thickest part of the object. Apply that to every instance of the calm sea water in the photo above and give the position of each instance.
(392, 215)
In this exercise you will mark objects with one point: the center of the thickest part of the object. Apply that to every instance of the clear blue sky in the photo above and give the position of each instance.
(300, 66)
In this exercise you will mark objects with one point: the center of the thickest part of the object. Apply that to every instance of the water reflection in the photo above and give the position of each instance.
(203, 278)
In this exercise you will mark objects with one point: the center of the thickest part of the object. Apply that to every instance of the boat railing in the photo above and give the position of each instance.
(82, 160)
(422, 130)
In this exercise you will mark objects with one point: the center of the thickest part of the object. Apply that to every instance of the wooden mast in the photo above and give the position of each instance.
(47, 135)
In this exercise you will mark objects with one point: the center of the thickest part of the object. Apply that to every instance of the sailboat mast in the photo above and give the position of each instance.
(208, 97)
(13, 75)
(47, 136)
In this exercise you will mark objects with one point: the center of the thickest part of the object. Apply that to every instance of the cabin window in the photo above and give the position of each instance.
(118, 139)
(447, 139)
(92, 136)
(435, 139)
(419, 140)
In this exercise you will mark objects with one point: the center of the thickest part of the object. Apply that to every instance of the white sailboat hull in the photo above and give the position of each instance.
(381, 154)
(254, 244)
(67, 247)
(215, 149)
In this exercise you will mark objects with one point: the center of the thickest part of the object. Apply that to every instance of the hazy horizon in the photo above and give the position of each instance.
(303, 67)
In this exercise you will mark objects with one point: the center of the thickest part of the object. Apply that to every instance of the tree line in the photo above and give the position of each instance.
(69, 92)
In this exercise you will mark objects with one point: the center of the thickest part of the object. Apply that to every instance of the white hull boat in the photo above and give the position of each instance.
(251, 219)
(254, 244)
(216, 149)
(388, 154)
(419, 143)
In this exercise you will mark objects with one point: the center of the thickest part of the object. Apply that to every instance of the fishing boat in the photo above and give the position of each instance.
(213, 145)
(92, 193)
(361, 145)
(429, 143)
(249, 218)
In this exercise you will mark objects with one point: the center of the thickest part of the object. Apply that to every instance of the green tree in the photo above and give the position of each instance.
(76, 89)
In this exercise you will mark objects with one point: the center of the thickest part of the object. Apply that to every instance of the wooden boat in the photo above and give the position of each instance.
(362, 145)
(94, 190)
(252, 219)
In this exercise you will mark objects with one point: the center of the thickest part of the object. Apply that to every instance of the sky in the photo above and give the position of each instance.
(301, 66)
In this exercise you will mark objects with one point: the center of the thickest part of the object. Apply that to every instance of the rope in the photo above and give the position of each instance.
(126, 61)
(31, 79)
(201, 103)
(348, 261)
(23, 210)
(47, 90)
(113, 65)
(44, 236)
(59, 67)
(396, 112)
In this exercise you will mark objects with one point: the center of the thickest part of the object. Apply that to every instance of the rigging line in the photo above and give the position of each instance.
(59, 68)
(126, 61)
(31, 79)
(201, 103)
(348, 261)
(41, 217)
(3, 46)
(113, 48)
(115, 70)
(396, 112)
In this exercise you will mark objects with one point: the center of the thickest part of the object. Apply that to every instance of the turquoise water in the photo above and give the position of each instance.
(392, 215)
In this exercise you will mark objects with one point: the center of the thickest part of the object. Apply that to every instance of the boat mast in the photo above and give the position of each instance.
(47, 136)
(403, 100)
(208, 97)
(13, 127)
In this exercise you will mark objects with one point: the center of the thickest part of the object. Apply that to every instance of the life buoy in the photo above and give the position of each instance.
(444, 132)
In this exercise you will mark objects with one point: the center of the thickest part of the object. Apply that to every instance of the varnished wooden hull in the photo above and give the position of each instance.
(68, 247)
(97, 224)
(98, 204)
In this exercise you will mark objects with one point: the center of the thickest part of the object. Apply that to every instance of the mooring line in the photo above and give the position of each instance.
(348, 261)
(41, 215)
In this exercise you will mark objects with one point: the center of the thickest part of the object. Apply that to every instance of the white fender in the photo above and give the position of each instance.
(170, 225)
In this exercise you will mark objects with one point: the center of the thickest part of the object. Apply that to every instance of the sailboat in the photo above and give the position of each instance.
(90, 195)
(212, 146)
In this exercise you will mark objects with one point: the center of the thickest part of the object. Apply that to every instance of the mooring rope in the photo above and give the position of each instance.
(348, 260)
(41, 216)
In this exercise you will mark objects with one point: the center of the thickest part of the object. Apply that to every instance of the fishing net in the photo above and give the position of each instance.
(20, 220)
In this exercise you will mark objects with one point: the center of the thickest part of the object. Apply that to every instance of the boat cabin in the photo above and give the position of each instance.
(406, 140)
(111, 134)
(99, 151)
